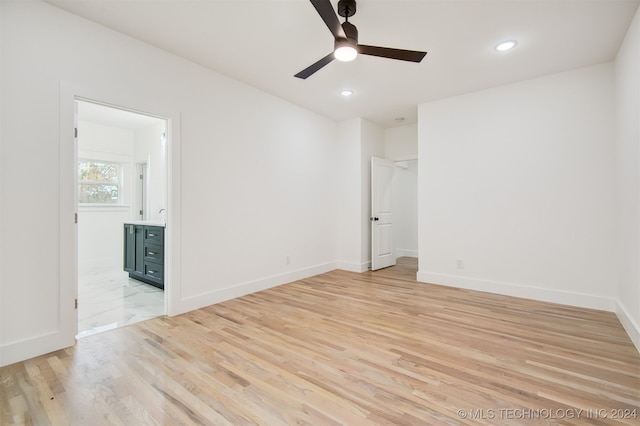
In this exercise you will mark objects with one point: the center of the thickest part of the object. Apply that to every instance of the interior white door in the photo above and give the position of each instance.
(383, 253)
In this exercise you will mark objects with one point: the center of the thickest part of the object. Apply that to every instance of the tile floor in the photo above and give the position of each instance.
(108, 298)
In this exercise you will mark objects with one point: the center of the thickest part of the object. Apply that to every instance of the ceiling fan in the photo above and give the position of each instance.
(346, 39)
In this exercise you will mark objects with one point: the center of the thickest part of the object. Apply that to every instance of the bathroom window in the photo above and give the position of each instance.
(99, 182)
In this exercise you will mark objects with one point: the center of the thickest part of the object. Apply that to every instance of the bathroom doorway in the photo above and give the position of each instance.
(114, 148)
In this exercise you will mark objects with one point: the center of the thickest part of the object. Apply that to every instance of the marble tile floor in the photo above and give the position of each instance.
(108, 298)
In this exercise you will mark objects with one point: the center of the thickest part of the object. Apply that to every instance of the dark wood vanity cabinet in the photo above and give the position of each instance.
(144, 253)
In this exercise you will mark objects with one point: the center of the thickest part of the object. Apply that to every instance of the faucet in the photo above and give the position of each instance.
(160, 211)
(164, 219)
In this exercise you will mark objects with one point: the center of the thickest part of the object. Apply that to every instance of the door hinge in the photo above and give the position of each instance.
(75, 217)
(75, 132)
(76, 303)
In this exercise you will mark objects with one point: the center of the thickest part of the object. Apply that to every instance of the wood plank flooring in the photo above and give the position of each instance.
(341, 348)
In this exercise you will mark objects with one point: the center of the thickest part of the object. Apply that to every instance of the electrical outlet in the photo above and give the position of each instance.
(460, 264)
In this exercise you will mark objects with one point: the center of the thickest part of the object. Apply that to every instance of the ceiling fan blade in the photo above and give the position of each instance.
(315, 67)
(387, 52)
(328, 15)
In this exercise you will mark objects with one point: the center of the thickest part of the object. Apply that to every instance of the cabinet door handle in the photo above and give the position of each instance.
(151, 235)
(151, 272)
(150, 253)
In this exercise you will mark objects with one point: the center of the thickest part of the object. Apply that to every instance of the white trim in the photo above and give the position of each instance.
(93, 208)
(238, 290)
(354, 267)
(519, 290)
(173, 218)
(406, 253)
(630, 326)
(13, 352)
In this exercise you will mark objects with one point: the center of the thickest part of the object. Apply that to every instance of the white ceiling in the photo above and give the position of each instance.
(265, 42)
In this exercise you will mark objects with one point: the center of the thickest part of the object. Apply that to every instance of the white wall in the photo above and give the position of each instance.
(255, 183)
(401, 143)
(348, 192)
(404, 187)
(253, 195)
(100, 227)
(627, 162)
(517, 182)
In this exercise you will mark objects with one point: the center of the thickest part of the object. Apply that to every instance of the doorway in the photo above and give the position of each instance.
(114, 147)
(405, 207)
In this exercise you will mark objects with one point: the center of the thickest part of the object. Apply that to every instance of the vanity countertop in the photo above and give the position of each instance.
(146, 222)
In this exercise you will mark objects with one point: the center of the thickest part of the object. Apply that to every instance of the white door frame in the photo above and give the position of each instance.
(135, 102)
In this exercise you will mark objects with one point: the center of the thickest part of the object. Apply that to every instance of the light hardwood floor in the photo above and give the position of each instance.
(341, 348)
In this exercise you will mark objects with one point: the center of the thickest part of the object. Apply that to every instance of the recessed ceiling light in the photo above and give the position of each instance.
(506, 45)
(346, 92)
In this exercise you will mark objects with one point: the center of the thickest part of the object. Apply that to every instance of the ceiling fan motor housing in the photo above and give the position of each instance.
(347, 8)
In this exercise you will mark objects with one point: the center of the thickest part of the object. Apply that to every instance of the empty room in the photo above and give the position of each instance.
(319, 212)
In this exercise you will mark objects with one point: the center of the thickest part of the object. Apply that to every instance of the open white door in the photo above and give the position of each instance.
(383, 253)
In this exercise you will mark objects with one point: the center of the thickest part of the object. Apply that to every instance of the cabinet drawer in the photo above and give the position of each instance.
(153, 235)
(154, 271)
(154, 253)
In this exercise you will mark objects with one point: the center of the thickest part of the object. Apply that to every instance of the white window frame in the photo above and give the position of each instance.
(119, 184)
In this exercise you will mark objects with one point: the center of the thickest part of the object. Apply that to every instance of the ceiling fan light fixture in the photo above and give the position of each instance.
(345, 51)
(345, 35)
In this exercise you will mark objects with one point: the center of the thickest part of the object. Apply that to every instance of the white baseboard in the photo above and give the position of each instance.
(406, 253)
(34, 346)
(518, 290)
(354, 267)
(630, 326)
(211, 298)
